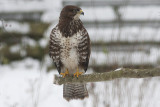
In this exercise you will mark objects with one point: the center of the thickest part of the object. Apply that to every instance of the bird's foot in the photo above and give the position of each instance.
(65, 73)
(77, 73)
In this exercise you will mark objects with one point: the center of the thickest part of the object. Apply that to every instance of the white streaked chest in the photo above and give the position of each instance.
(69, 54)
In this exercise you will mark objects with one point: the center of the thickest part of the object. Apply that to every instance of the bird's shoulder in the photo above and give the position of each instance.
(55, 33)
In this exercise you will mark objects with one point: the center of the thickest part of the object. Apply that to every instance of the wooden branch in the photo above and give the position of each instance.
(119, 73)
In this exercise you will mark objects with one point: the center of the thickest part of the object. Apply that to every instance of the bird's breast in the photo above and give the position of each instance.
(69, 51)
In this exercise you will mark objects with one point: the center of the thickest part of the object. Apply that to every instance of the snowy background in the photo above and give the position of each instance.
(28, 81)
(26, 84)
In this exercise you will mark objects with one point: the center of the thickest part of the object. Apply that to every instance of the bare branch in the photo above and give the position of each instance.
(97, 77)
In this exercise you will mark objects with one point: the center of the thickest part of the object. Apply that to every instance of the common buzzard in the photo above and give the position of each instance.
(70, 50)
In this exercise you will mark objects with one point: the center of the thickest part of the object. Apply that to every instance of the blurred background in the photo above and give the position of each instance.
(124, 34)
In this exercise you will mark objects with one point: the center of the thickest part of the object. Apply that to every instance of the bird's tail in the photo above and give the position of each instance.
(74, 91)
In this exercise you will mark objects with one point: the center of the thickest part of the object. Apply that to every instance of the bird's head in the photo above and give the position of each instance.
(72, 12)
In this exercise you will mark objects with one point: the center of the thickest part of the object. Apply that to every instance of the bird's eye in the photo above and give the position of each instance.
(74, 10)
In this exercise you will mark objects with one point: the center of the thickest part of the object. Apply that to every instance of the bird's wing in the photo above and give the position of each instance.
(84, 49)
(54, 48)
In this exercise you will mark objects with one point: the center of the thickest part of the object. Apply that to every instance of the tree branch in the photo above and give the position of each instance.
(97, 77)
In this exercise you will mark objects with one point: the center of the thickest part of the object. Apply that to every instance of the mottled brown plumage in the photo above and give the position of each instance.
(70, 49)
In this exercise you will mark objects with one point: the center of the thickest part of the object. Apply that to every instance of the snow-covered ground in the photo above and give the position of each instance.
(27, 84)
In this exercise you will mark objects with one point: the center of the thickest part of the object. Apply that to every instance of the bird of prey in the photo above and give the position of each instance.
(69, 48)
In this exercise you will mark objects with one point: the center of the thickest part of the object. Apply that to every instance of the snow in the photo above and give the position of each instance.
(50, 7)
(51, 15)
(30, 5)
(29, 41)
(130, 34)
(43, 42)
(15, 48)
(127, 13)
(118, 69)
(27, 84)
(140, 13)
(92, 14)
(122, 58)
(11, 26)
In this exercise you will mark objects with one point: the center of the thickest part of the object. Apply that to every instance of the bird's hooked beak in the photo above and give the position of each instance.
(81, 12)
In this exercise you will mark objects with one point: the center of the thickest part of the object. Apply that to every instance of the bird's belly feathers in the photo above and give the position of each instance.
(70, 61)
(69, 54)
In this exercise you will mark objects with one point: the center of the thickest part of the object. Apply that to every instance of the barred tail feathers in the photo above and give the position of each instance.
(74, 91)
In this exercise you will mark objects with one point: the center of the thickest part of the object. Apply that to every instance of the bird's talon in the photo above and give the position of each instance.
(65, 73)
(77, 74)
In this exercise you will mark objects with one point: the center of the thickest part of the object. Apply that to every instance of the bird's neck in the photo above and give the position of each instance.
(68, 27)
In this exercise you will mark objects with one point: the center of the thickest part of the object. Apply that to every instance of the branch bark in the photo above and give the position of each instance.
(97, 77)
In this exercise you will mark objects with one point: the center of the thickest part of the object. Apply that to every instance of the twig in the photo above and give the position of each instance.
(97, 77)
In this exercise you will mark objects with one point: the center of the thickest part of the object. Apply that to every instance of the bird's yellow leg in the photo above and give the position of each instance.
(65, 73)
(77, 73)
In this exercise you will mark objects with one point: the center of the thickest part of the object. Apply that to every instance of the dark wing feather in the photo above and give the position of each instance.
(54, 49)
(84, 49)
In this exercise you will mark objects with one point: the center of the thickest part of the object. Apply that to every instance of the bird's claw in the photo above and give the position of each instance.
(65, 73)
(77, 74)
